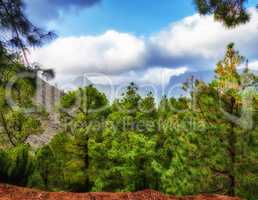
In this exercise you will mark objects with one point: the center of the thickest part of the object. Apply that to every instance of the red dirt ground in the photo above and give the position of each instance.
(8, 192)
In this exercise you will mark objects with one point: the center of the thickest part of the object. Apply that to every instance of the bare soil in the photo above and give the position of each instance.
(8, 192)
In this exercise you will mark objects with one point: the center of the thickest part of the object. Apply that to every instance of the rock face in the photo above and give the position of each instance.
(8, 192)
(47, 96)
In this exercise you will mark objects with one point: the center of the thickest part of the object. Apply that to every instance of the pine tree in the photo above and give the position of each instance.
(83, 111)
(227, 105)
(16, 165)
(17, 124)
(22, 33)
(230, 12)
(126, 148)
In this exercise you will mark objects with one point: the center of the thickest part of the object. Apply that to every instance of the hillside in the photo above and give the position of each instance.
(47, 96)
(8, 192)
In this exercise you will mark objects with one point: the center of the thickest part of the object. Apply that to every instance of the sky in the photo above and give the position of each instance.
(145, 41)
(140, 17)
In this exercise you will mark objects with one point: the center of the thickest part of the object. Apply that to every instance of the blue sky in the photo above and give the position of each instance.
(141, 17)
(145, 41)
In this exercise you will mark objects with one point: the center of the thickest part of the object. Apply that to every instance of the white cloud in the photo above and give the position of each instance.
(154, 76)
(192, 36)
(110, 53)
(161, 76)
(197, 42)
(253, 65)
(202, 37)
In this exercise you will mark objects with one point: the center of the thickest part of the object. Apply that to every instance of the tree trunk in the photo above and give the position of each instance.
(232, 153)
(87, 163)
(5, 126)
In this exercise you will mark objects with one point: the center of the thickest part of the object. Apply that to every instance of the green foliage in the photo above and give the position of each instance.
(16, 165)
(83, 112)
(228, 151)
(126, 147)
(230, 12)
(16, 92)
(205, 142)
(20, 32)
(45, 159)
(17, 124)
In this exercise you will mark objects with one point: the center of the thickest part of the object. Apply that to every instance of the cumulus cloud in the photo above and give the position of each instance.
(161, 76)
(47, 10)
(197, 39)
(253, 65)
(153, 76)
(111, 52)
(197, 42)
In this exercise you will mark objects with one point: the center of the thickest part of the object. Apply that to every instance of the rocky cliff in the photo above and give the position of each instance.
(47, 96)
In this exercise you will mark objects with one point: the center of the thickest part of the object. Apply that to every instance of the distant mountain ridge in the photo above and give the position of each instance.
(177, 81)
(173, 88)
